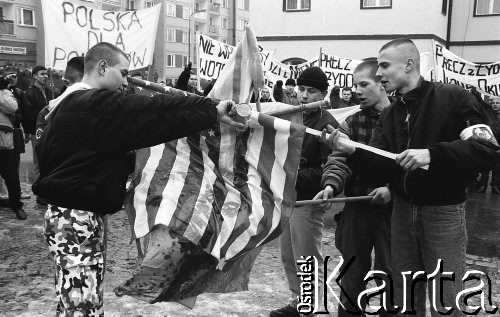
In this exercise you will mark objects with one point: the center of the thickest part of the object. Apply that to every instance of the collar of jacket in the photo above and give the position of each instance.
(412, 94)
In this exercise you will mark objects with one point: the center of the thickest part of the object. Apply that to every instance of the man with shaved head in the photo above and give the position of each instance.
(442, 143)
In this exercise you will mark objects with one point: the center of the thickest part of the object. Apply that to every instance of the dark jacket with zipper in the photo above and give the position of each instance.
(34, 100)
(84, 154)
(314, 154)
(428, 117)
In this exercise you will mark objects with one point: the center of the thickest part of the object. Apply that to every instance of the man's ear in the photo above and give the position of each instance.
(410, 64)
(101, 65)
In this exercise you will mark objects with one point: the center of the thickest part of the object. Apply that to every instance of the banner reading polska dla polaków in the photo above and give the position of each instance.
(449, 68)
(71, 29)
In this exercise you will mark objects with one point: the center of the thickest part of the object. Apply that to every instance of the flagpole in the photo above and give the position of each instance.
(268, 121)
(332, 200)
(300, 108)
(257, 97)
(158, 87)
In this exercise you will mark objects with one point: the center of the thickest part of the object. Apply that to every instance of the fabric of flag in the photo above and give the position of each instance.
(208, 202)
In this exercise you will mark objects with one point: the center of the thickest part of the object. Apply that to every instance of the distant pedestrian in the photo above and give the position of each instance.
(265, 95)
(278, 93)
(290, 96)
(35, 99)
(9, 156)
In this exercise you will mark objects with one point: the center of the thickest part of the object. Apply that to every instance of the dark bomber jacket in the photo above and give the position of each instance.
(83, 154)
(429, 117)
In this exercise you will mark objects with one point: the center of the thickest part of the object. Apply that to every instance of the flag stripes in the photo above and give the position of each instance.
(221, 190)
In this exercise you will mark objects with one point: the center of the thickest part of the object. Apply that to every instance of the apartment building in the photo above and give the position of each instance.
(297, 29)
(18, 32)
(223, 20)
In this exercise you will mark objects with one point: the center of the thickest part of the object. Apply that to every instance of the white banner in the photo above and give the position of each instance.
(450, 68)
(213, 55)
(71, 29)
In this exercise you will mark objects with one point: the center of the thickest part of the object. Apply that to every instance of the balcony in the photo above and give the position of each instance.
(6, 27)
(213, 29)
(214, 8)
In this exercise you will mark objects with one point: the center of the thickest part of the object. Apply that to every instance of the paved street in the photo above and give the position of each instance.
(26, 281)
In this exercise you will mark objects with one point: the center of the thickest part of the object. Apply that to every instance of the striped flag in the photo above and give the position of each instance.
(209, 201)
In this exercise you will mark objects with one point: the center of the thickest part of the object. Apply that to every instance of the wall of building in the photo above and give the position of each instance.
(16, 37)
(474, 38)
(342, 28)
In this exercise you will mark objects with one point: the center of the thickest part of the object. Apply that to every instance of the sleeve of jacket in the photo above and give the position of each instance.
(133, 122)
(27, 109)
(310, 177)
(335, 171)
(370, 167)
(475, 154)
(8, 103)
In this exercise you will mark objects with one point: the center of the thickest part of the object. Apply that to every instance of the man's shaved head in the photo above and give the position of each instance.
(406, 50)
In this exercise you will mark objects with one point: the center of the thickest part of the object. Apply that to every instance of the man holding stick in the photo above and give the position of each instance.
(84, 157)
(438, 131)
(303, 230)
(363, 226)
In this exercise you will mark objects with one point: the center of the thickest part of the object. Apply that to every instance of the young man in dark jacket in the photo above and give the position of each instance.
(363, 226)
(84, 163)
(35, 99)
(303, 231)
(435, 126)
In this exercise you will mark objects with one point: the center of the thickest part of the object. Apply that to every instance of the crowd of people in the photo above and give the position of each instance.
(85, 134)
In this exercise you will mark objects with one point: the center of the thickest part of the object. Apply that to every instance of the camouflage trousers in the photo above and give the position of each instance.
(75, 240)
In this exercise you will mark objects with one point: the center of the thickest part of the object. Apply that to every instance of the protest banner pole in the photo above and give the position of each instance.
(320, 56)
(300, 108)
(332, 200)
(257, 99)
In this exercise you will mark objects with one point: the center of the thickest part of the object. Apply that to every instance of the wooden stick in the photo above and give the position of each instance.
(158, 88)
(332, 200)
(300, 108)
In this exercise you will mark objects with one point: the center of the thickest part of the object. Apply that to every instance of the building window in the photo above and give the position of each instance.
(170, 35)
(184, 60)
(245, 4)
(149, 4)
(225, 3)
(170, 60)
(170, 9)
(296, 5)
(184, 37)
(197, 6)
(487, 7)
(224, 23)
(223, 40)
(27, 17)
(185, 13)
(131, 5)
(376, 4)
(242, 24)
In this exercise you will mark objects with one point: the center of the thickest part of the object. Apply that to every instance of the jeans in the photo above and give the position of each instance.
(362, 228)
(301, 236)
(422, 235)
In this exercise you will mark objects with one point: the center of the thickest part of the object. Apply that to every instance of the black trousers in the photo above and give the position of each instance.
(9, 171)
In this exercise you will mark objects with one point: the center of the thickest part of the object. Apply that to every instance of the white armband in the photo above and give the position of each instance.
(478, 131)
